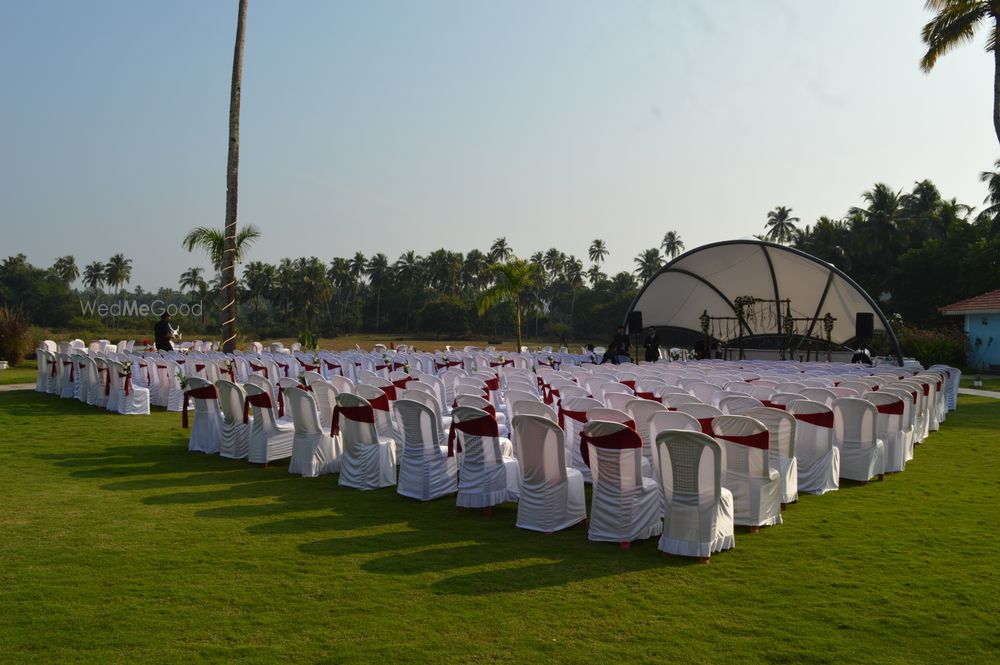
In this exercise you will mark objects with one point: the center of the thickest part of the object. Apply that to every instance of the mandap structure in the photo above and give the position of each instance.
(749, 298)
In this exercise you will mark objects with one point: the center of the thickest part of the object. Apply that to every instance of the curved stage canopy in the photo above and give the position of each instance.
(712, 277)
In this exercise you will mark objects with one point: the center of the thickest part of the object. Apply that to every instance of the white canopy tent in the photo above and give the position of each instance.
(712, 277)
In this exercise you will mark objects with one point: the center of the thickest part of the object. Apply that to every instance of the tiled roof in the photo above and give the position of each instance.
(988, 302)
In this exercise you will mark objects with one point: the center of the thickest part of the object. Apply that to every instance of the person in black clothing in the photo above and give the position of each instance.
(161, 331)
(610, 354)
(620, 343)
(652, 345)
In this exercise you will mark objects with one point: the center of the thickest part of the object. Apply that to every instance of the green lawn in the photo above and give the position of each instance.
(989, 382)
(118, 545)
(25, 372)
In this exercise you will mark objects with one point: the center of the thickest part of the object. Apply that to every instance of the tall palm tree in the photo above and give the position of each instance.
(232, 184)
(991, 213)
(408, 269)
(595, 275)
(258, 277)
(65, 267)
(93, 275)
(213, 243)
(648, 263)
(378, 271)
(118, 271)
(879, 218)
(672, 244)
(511, 280)
(191, 280)
(781, 225)
(475, 270)
(956, 22)
(598, 251)
(500, 251)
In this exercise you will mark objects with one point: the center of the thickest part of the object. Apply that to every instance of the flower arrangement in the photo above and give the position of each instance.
(229, 369)
(315, 359)
(302, 379)
(406, 367)
(182, 379)
(127, 367)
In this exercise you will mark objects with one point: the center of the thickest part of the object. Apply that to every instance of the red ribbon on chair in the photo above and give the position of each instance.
(397, 365)
(507, 363)
(359, 414)
(759, 440)
(379, 368)
(773, 405)
(401, 383)
(309, 368)
(484, 426)
(630, 383)
(199, 366)
(230, 372)
(145, 366)
(207, 392)
(450, 363)
(382, 402)
(72, 365)
(334, 366)
(390, 391)
(260, 400)
(823, 419)
(283, 366)
(52, 364)
(642, 394)
(128, 382)
(927, 389)
(107, 381)
(623, 439)
(706, 425)
(281, 402)
(578, 416)
(893, 408)
(489, 408)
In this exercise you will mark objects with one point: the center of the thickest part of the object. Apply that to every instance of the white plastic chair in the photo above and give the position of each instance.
(782, 426)
(756, 487)
(426, 472)
(269, 440)
(889, 428)
(206, 430)
(816, 456)
(235, 441)
(486, 477)
(551, 495)
(314, 451)
(855, 432)
(369, 457)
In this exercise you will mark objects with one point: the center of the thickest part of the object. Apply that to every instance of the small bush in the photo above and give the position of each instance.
(15, 335)
(932, 347)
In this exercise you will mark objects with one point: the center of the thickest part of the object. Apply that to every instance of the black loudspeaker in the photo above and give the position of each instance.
(634, 322)
(864, 325)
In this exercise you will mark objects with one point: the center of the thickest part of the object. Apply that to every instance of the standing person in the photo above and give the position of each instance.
(652, 345)
(621, 344)
(162, 333)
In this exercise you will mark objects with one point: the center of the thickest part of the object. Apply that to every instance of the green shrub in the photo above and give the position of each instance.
(932, 347)
(15, 335)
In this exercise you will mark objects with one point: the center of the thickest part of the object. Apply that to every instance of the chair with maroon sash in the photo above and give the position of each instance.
(477, 402)
(618, 401)
(326, 400)
(96, 395)
(485, 477)
(235, 440)
(698, 510)
(704, 413)
(936, 408)
(87, 375)
(889, 428)
(425, 393)
(314, 451)
(269, 440)
(781, 400)
(65, 375)
(131, 400)
(111, 383)
(756, 487)
(816, 456)
(625, 504)
(41, 373)
(381, 403)
(368, 460)
(855, 433)
(823, 395)
(206, 430)
(739, 404)
(572, 414)
(782, 427)
(426, 472)
(674, 401)
(908, 420)
(51, 363)
(641, 411)
(534, 408)
(552, 495)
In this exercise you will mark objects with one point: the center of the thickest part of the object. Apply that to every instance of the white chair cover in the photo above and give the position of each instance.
(486, 477)
(817, 458)
(862, 453)
(425, 470)
(235, 443)
(269, 440)
(781, 426)
(698, 517)
(206, 428)
(552, 495)
(625, 505)
(756, 487)
(369, 458)
(129, 399)
(891, 413)
(314, 452)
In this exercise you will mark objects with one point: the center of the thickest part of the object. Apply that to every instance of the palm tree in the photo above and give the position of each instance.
(989, 215)
(93, 275)
(598, 251)
(231, 243)
(648, 263)
(213, 242)
(781, 225)
(500, 251)
(408, 268)
(553, 261)
(118, 271)
(956, 22)
(475, 269)
(378, 271)
(511, 279)
(672, 244)
(879, 219)
(258, 277)
(65, 267)
(595, 275)
(191, 280)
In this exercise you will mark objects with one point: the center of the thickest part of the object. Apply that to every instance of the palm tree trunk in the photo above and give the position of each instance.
(517, 322)
(232, 183)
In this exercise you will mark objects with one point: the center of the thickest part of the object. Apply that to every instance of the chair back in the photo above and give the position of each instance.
(419, 426)
(302, 405)
(855, 421)
(231, 399)
(739, 404)
(614, 452)
(540, 450)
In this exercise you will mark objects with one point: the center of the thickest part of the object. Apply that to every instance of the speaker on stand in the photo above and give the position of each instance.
(864, 326)
(635, 329)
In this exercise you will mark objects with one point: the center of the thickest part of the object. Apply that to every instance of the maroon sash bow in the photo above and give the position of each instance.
(507, 363)
(128, 382)
(381, 367)
(642, 394)
(401, 383)
(390, 391)
(759, 440)
(484, 426)
(450, 363)
(107, 381)
(207, 392)
(334, 366)
(199, 366)
(822, 419)
(630, 383)
(309, 368)
(773, 405)
(489, 408)
(145, 366)
(578, 416)
(893, 408)
(72, 367)
(381, 402)
(259, 368)
(623, 439)
(258, 401)
(358, 414)
(52, 364)
(283, 366)
(927, 389)
(706, 425)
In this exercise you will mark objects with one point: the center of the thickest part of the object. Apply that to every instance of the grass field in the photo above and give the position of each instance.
(25, 372)
(989, 382)
(119, 545)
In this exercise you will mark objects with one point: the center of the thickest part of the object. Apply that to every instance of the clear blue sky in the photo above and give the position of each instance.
(384, 126)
